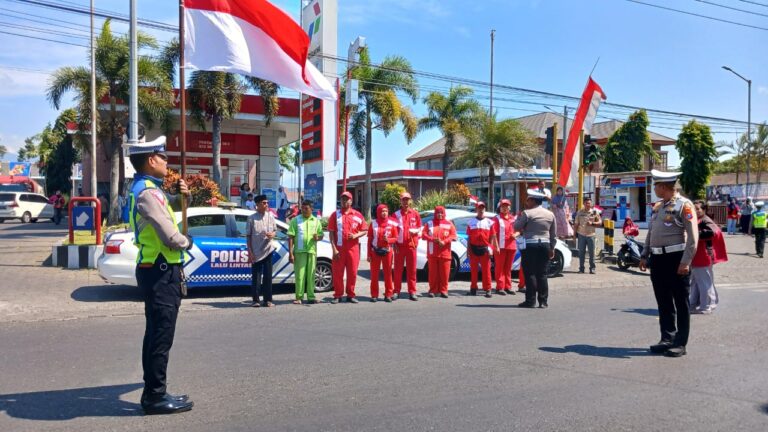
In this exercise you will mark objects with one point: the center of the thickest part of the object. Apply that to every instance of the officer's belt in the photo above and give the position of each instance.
(535, 241)
(668, 249)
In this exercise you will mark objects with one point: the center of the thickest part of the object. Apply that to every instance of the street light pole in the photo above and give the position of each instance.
(749, 120)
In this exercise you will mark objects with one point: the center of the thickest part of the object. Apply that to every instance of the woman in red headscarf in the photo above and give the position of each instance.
(382, 234)
(439, 233)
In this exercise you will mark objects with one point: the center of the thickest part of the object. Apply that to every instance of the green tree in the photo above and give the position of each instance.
(628, 145)
(216, 96)
(697, 155)
(760, 147)
(31, 148)
(55, 151)
(288, 157)
(454, 115)
(3, 151)
(498, 144)
(738, 163)
(380, 107)
(391, 196)
(112, 82)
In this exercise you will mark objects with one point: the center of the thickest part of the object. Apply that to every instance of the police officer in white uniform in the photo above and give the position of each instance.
(669, 249)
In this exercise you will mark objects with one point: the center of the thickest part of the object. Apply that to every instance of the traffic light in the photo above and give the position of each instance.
(549, 143)
(591, 151)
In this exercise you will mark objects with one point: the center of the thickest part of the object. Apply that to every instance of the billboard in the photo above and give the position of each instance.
(19, 168)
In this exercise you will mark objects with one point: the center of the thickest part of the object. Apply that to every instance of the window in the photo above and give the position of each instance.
(38, 199)
(241, 222)
(7, 197)
(436, 164)
(421, 165)
(207, 226)
(461, 224)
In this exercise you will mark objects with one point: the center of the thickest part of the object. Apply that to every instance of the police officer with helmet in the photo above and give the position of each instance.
(158, 271)
(757, 227)
(669, 249)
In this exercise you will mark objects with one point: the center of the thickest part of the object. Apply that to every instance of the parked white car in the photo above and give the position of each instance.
(460, 261)
(219, 256)
(25, 206)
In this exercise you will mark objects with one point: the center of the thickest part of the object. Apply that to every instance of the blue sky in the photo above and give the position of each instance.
(648, 57)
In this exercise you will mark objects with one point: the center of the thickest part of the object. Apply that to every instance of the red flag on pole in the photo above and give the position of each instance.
(585, 115)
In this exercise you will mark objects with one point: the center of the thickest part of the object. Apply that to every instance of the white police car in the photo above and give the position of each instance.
(219, 256)
(460, 259)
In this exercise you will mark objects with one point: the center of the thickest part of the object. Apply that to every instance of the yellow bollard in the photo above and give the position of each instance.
(608, 226)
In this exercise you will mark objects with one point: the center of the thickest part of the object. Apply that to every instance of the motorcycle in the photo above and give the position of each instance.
(629, 254)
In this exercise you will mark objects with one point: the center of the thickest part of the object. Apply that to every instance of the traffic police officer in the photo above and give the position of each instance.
(757, 225)
(158, 271)
(669, 250)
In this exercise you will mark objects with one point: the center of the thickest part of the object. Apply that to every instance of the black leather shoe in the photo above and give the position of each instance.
(388, 299)
(166, 405)
(661, 347)
(335, 301)
(443, 295)
(177, 398)
(488, 294)
(352, 300)
(431, 295)
(675, 351)
(472, 292)
(526, 305)
(413, 297)
(501, 292)
(374, 299)
(543, 305)
(510, 292)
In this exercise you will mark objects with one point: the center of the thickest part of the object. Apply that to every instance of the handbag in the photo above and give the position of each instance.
(478, 250)
(380, 251)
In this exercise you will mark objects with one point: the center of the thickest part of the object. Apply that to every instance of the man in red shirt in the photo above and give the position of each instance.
(439, 233)
(482, 234)
(505, 254)
(345, 226)
(382, 234)
(408, 233)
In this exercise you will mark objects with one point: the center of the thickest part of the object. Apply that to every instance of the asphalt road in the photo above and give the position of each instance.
(459, 364)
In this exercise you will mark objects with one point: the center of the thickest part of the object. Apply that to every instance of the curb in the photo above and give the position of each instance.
(75, 257)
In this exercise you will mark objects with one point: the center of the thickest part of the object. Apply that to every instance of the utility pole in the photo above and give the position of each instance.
(493, 34)
(93, 110)
(133, 114)
(580, 201)
(554, 156)
(749, 120)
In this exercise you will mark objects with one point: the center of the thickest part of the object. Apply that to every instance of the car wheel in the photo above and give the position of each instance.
(26, 217)
(323, 276)
(555, 264)
(622, 260)
(454, 267)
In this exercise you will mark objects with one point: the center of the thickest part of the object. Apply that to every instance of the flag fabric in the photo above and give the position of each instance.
(254, 38)
(473, 199)
(585, 115)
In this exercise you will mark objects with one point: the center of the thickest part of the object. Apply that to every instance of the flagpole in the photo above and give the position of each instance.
(94, 183)
(182, 115)
(301, 125)
(595, 66)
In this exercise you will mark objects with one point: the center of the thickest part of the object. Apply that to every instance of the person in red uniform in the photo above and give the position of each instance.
(439, 233)
(408, 232)
(345, 226)
(382, 235)
(482, 234)
(507, 247)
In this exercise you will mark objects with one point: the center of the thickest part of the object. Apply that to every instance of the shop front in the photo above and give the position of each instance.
(623, 195)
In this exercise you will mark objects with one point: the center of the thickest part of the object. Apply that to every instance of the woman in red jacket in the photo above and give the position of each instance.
(710, 251)
(439, 233)
(504, 224)
(382, 234)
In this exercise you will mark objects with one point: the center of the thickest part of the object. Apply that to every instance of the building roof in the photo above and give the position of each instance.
(406, 174)
(538, 124)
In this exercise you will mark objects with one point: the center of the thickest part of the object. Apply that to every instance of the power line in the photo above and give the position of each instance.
(754, 3)
(43, 39)
(732, 8)
(698, 15)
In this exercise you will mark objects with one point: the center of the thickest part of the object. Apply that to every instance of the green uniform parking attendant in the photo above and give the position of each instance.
(158, 271)
(304, 231)
(669, 249)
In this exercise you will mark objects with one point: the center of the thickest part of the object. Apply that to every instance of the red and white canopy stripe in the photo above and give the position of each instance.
(251, 37)
(585, 115)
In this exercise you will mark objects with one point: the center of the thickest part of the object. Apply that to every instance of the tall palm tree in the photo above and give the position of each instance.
(453, 115)
(498, 144)
(760, 147)
(380, 105)
(216, 96)
(112, 82)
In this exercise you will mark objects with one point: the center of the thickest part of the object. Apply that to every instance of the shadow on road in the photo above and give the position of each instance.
(489, 306)
(53, 405)
(764, 408)
(594, 351)
(106, 293)
(646, 312)
(629, 271)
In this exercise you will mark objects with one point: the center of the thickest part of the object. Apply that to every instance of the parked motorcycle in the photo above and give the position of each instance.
(629, 254)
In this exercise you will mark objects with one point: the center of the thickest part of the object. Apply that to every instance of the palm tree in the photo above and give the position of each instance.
(380, 105)
(112, 82)
(760, 147)
(499, 144)
(453, 115)
(216, 96)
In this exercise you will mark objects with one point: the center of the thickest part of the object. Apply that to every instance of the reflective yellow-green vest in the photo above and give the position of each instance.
(759, 219)
(144, 234)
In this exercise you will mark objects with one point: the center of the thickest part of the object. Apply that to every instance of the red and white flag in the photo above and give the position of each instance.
(251, 37)
(585, 115)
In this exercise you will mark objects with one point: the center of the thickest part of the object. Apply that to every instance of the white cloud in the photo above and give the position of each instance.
(763, 90)
(22, 82)
(12, 142)
(418, 13)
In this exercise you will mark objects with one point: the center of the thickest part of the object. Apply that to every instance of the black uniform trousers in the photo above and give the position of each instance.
(671, 291)
(759, 239)
(261, 279)
(161, 286)
(535, 260)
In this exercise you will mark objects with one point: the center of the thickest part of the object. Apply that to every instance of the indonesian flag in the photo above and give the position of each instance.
(254, 38)
(473, 199)
(585, 116)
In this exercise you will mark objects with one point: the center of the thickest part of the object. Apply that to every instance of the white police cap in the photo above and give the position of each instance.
(759, 203)
(156, 146)
(536, 194)
(664, 176)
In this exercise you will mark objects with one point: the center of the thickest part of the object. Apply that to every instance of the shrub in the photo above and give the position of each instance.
(202, 188)
(391, 196)
(458, 194)
(431, 199)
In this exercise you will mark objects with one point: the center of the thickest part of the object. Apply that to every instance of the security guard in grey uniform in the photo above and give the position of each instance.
(158, 271)
(669, 249)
